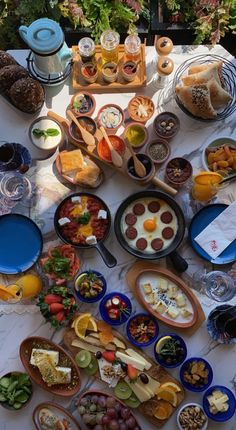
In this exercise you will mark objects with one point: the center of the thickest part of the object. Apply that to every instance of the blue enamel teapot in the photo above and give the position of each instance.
(46, 40)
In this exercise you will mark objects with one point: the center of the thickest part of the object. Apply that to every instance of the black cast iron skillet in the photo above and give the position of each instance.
(178, 262)
(107, 257)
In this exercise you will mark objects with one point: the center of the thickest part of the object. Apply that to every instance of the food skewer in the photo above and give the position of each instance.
(87, 137)
(116, 158)
(139, 168)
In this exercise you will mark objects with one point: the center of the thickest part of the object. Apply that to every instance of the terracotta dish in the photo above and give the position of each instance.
(83, 103)
(141, 108)
(58, 410)
(65, 360)
(111, 117)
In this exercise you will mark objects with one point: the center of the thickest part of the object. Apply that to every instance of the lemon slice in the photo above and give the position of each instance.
(92, 325)
(168, 395)
(172, 386)
(208, 178)
(81, 325)
(161, 343)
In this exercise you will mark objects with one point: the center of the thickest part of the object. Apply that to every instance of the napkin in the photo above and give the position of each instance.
(219, 234)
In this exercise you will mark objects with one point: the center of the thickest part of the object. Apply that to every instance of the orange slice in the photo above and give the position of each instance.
(105, 337)
(103, 326)
(172, 386)
(206, 178)
(92, 325)
(163, 410)
(168, 395)
(81, 325)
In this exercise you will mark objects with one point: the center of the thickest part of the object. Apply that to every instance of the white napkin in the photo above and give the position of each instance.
(219, 234)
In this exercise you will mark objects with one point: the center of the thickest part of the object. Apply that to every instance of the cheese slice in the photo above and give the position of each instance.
(110, 380)
(137, 363)
(35, 353)
(139, 357)
(142, 394)
(146, 387)
(79, 344)
(65, 374)
(152, 385)
(117, 342)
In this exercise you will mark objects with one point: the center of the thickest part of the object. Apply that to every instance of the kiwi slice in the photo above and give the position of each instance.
(132, 401)
(122, 390)
(83, 358)
(92, 367)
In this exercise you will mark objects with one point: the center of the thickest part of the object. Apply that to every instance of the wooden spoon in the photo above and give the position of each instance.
(139, 168)
(116, 158)
(87, 137)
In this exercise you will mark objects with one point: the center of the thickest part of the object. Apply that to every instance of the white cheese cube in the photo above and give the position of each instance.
(180, 300)
(150, 298)
(76, 199)
(185, 313)
(172, 291)
(147, 288)
(163, 285)
(65, 373)
(63, 221)
(38, 353)
(160, 307)
(102, 214)
(173, 312)
(91, 240)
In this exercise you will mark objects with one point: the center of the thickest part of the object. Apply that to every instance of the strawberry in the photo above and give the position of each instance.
(109, 356)
(52, 298)
(60, 316)
(132, 372)
(55, 308)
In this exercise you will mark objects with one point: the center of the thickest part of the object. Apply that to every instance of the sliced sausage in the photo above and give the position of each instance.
(130, 219)
(157, 244)
(141, 243)
(139, 209)
(166, 217)
(131, 233)
(154, 206)
(168, 233)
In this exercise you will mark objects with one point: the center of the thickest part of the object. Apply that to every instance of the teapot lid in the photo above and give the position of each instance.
(45, 36)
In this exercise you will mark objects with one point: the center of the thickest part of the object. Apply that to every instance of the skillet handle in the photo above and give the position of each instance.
(179, 263)
(107, 257)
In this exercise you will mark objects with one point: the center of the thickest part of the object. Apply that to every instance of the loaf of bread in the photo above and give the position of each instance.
(6, 59)
(27, 94)
(10, 74)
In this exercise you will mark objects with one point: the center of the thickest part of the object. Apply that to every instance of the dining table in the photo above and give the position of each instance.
(23, 319)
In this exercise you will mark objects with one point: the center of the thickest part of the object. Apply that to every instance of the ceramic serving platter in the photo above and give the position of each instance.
(65, 360)
(57, 410)
(165, 294)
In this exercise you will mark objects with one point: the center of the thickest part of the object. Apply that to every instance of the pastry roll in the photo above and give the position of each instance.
(71, 160)
(88, 175)
(219, 97)
(196, 99)
(212, 71)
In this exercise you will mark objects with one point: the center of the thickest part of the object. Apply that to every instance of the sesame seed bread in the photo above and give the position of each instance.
(196, 99)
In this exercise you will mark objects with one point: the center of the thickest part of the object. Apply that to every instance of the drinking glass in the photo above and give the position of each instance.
(217, 285)
(15, 188)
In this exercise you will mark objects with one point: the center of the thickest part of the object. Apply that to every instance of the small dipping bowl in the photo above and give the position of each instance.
(111, 117)
(50, 143)
(5, 405)
(104, 151)
(220, 417)
(189, 386)
(83, 103)
(107, 73)
(137, 134)
(166, 125)
(178, 171)
(79, 279)
(134, 321)
(129, 71)
(145, 104)
(89, 72)
(147, 162)
(182, 344)
(103, 311)
(158, 150)
(189, 405)
(74, 132)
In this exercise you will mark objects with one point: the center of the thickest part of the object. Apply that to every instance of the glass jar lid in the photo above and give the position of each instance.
(86, 46)
(132, 44)
(110, 40)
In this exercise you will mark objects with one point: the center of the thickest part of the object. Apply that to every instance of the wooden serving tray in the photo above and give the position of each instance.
(100, 85)
(140, 267)
(156, 372)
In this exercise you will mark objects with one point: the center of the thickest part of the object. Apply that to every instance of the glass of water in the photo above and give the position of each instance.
(217, 285)
(14, 186)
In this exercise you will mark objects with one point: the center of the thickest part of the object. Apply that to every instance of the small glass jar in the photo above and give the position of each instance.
(86, 48)
(132, 47)
(110, 46)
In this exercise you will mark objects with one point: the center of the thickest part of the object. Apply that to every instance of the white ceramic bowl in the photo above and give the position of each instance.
(219, 141)
(184, 407)
(51, 143)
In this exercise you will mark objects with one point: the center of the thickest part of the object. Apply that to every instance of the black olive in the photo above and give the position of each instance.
(124, 366)
(144, 378)
(98, 355)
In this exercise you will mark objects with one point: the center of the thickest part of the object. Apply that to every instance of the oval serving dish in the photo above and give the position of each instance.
(58, 410)
(65, 360)
(148, 276)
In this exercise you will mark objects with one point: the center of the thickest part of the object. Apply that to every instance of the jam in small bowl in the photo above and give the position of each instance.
(89, 72)
(115, 308)
(104, 150)
(178, 171)
(129, 71)
(166, 125)
(90, 286)
(196, 374)
(86, 122)
(137, 134)
(170, 350)
(147, 162)
(142, 330)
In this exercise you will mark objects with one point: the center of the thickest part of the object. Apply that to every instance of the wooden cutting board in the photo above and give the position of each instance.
(156, 372)
(137, 269)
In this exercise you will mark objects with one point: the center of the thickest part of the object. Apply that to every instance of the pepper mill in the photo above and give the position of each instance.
(164, 46)
(165, 67)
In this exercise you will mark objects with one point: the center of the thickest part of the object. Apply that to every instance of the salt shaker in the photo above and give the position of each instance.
(165, 67)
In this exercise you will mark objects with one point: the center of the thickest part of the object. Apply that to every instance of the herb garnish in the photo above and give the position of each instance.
(37, 132)
(84, 218)
(58, 264)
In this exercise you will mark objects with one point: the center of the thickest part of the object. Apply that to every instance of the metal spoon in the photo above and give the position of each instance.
(139, 168)
(116, 158)
(86, 136)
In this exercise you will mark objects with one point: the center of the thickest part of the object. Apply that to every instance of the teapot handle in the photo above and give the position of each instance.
(23, 30)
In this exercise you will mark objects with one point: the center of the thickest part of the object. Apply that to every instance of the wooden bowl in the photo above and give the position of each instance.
(57, 409)
(110, 130)
(164, 273)
(64, 390)
(133, 106)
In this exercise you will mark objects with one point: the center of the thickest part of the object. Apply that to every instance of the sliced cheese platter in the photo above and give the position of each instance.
(136, 379)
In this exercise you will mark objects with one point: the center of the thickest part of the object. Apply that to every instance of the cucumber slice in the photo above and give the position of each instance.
(132, 401)
(83, 358)
(122, 390)
(5, 382)
(92, 367)
(17, 405)
(22, 398)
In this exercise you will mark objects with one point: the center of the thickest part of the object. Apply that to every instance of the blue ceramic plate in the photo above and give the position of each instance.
(220, 416)
(189, 386)
(23, 157)
(200, 221)
(20, 245)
